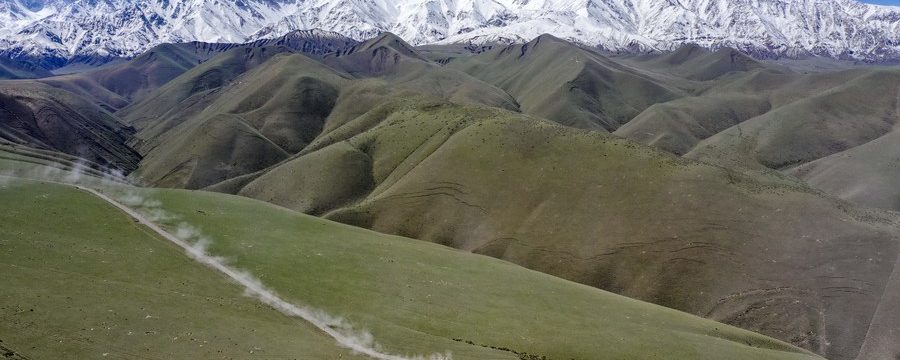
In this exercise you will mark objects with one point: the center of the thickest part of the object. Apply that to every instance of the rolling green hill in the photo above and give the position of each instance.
(204, 129)
(99, 299)
(618, 216)
(110, 289)
(730, 199)
(394, 149)
(195, 133)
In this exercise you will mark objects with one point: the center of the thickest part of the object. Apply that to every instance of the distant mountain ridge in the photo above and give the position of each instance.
(466, 153)
(62, 30)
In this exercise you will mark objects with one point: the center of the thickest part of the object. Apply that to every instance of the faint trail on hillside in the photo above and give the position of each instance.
(329, 325)
(883, 333)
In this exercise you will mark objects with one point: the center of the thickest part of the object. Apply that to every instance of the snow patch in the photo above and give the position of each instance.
(837, 28)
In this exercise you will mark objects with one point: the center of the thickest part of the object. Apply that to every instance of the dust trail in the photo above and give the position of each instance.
(77, 176)
(359, 341)
(74, 172)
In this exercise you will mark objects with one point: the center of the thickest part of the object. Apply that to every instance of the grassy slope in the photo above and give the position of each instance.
(415, 297)
(157, 107)
(237, 129)
(247, 121)
(118, 85)
(386, 145)
(833, 129)
(617, 216)
(678, 125)
(89, 283)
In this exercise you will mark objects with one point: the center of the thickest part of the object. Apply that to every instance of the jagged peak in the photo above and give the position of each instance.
(114, 28)
(315, 33)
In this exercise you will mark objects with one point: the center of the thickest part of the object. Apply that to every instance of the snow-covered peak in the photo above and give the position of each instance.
(838, 28)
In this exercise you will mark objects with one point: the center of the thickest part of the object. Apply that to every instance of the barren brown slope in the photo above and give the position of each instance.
(868, 174)
(860, 110)
(678, 125)
(573, 86)
(134, 79)
(43, 117)
(116, 86)
(715, 106)
(14, 69)
(375, 56)
(881, 340)
(696, 63)
(405, 70)
(753, 252)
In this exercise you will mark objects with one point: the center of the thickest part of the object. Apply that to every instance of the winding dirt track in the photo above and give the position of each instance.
(253, 287)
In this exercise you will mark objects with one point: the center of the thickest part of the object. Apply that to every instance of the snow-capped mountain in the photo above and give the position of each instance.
(839, 28)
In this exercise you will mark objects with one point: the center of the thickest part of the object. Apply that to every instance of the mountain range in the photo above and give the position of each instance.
(60, 31)
(755, 193)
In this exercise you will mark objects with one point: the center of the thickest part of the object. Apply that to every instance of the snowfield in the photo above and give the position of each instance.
(770, 28)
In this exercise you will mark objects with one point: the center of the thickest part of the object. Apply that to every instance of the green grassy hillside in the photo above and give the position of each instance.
(111, 288)
(81, 280)
(834, 130)
(196, 134)
(723, 106)
(601, 211)
(210, 135)
(194, 84)
(469, 153)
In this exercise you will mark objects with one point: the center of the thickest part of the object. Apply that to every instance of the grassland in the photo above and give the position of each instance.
(465, 153)
(81, 280)
(108, 286)
(604, 212)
